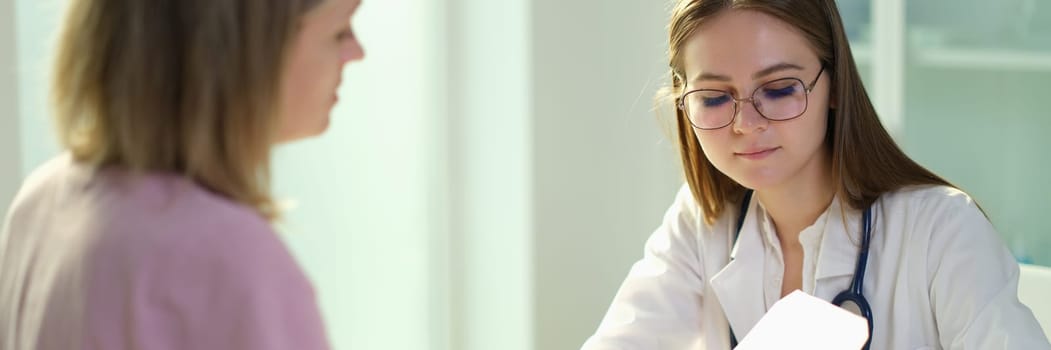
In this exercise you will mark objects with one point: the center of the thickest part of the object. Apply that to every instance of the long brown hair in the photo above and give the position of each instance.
(178, 86)
(866, 162)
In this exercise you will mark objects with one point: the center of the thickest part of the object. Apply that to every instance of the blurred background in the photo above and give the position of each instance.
(494, 167)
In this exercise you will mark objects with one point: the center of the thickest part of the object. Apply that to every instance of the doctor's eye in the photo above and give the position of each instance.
(716, 101)
(713, 98)
(781, 88)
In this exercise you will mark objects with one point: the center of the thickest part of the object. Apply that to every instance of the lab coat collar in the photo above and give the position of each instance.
(739, 285)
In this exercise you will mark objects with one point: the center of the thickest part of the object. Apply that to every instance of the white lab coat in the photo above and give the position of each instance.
(938, 277)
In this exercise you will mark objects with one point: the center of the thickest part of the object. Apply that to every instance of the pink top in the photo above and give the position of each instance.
(102, 260)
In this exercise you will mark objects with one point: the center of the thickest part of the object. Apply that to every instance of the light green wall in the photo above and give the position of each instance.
(986, 131)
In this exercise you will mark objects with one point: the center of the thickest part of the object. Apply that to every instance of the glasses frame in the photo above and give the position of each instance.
(751, 99)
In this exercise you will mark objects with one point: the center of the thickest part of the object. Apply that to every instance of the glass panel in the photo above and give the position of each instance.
(857, 21)
(976, 77)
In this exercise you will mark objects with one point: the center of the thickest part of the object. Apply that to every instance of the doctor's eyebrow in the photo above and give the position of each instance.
(782, 66)
(708, 76)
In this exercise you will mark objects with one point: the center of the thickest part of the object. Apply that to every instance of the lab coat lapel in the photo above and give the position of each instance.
(839, 250)
(739, 285)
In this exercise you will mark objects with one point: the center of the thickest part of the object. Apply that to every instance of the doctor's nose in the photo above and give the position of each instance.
(747, 118)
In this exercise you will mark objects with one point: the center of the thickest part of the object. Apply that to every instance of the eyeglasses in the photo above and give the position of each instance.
(778, 100)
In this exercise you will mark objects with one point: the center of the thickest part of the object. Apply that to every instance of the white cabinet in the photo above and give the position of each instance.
(965, 86)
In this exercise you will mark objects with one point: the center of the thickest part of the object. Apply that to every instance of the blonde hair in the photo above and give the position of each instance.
(177, 86)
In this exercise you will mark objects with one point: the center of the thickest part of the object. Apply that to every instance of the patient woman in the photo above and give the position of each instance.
(153, 229)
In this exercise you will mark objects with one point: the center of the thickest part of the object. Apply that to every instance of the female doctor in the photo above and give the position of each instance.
(793, 184)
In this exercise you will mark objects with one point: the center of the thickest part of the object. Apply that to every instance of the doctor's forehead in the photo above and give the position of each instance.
(744, 45)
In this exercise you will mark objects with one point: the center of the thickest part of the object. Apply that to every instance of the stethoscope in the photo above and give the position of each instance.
(850, 299)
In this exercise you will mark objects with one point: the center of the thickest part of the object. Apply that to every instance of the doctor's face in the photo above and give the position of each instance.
(312, 73)
(751, 55)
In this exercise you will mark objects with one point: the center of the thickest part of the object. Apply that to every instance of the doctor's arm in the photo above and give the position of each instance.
(974, 283)
(658, 305)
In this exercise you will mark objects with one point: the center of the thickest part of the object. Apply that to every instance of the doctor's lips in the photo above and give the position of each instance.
(756, 153)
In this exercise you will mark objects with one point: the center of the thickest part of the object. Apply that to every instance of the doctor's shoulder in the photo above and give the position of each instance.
(938, 221)
(925, 208)
(687, 213)
(685, 224)
(971, 278)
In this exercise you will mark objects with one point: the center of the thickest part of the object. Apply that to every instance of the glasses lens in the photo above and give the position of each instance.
(781, 99)
(709, 109)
